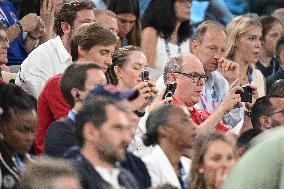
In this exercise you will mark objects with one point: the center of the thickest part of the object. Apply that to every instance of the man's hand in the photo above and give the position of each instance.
(229, 69)
(248, 105)
(29, 22)
(47, 12)
(39, 30)
(232, 100)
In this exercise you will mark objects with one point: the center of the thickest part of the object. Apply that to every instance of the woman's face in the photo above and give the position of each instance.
(125, 22)
(19, 131)
(182, 8)
(218, 160)
(248, 45)
(270, 40)
(130, 73)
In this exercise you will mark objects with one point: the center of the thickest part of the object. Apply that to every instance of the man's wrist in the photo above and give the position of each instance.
(247, 113)
(20, 27)
(32, 37)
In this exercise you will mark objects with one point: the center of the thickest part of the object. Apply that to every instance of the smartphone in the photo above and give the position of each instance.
(246, 96)
(145, 75)
(170, 90)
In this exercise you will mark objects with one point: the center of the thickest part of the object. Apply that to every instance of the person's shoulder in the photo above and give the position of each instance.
(149, 31)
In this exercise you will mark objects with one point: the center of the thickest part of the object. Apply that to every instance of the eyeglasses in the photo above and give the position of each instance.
(195, 76)
(271, 114)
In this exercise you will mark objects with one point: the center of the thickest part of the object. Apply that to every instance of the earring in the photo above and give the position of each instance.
(200, 171)
(1, 137)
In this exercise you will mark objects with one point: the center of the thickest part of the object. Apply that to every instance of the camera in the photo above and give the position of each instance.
(170, 90)
(145, 75)
(246, 96)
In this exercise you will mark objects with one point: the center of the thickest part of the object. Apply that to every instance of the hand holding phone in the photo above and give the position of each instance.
(145, 75)
(246, 96)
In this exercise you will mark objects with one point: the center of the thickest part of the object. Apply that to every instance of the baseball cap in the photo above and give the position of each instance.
(112, 92)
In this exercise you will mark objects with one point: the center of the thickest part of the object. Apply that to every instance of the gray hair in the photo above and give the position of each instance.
(101, 12)
(173, 65)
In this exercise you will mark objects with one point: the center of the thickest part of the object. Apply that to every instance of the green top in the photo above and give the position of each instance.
(262, 167)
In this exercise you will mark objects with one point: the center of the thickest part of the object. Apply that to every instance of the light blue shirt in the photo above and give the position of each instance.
(213, 93)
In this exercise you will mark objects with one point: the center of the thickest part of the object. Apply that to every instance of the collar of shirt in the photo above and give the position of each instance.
(62, 51)
(72, 114)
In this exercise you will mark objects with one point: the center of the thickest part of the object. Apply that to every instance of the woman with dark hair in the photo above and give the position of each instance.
(128, 20)
(212, 161)
(271, 32)
(17, 128)
(165, 32)
(125, 72)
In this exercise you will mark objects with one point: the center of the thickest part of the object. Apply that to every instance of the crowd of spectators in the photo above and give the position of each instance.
(137, 94)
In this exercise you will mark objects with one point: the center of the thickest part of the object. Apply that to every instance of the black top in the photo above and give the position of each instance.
(271, 79)
(91, 179)
(59, 137)
(10, 173)
(267, 71)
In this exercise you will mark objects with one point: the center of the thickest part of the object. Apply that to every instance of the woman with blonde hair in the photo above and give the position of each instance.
(243, 47)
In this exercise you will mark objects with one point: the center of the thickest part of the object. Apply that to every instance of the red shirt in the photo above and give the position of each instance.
(51, 107)
(199, 116)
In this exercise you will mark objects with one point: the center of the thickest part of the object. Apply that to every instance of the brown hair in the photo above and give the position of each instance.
(119, 58)
(197, 180)
(68, 13)
(43, 173)
(205, 26)
(88, 35)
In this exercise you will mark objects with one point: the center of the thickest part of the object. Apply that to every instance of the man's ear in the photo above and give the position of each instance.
(66, 28)
(90, 133)
(163, 131)
(76, 94)
(172, 77)
(117, 71)
(194, 44)
(265, 122)
(81, 52)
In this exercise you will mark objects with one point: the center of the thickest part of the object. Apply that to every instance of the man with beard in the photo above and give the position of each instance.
(268, 112)
(53, 57)
(89, 43)
(103, 133)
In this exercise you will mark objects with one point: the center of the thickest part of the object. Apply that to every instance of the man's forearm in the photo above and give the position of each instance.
(30, 43)
(13, 32)
(210, 123)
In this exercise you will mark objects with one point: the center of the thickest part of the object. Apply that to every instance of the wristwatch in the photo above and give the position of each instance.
(247, 113)
(19, 25)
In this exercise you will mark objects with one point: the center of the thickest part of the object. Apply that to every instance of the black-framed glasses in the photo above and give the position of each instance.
(195, 76)
(273, 113)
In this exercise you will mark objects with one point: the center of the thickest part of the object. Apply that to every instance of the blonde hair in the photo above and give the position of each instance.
(237, 27)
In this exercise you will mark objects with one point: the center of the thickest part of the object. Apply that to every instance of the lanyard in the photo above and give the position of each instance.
(273, 66)
(214, 99)
(183, 177)
(123, 41)
(250, 79)
(168, 48)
